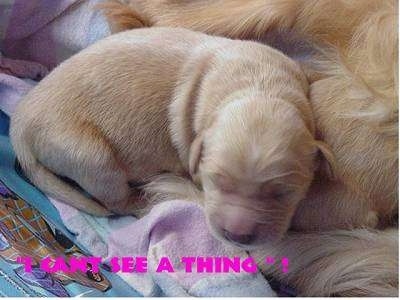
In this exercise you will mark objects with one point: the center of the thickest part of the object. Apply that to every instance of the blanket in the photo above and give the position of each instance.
(38, 35)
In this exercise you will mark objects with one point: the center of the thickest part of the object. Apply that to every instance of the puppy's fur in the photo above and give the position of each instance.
(354, 98)
(232, 114)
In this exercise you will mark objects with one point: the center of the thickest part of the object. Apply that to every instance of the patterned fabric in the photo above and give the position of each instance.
(24, 232)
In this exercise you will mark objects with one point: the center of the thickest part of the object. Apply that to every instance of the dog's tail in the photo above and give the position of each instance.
(47, 181)
(357, 262)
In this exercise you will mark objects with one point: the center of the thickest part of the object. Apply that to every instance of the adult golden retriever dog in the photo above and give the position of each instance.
(352, 68)
(232, 114)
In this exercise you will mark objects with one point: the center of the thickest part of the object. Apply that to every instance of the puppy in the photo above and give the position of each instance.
(232, 115)
(354, 96)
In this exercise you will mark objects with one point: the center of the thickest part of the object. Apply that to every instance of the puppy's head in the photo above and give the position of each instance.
(255, 163)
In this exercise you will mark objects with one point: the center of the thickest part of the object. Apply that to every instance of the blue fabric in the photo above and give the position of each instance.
(4, 123)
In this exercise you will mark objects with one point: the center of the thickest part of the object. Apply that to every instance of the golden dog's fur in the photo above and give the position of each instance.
(353, 72)
(232, 114)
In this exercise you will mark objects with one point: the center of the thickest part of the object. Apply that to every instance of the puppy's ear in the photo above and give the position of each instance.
(328, 161)
(195, 153)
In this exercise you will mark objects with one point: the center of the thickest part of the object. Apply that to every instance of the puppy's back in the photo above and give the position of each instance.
(118, 91)
(122, 83)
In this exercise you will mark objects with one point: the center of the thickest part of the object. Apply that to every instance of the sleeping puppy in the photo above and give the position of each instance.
(233, 115)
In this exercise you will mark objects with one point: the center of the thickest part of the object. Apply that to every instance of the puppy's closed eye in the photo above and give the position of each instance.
(223, 183)
(277, 192)
(267, 191)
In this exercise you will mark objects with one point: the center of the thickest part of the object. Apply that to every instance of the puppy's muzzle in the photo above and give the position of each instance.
(236, 225)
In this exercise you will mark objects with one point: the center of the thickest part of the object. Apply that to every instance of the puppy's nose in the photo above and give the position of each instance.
(244, 239)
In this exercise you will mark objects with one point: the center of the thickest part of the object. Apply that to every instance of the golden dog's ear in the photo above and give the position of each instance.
(195, 152)
(328, 162)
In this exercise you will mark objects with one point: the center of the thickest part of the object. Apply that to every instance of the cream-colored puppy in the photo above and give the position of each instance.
(232, 114)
